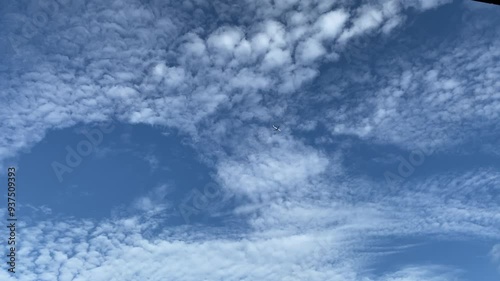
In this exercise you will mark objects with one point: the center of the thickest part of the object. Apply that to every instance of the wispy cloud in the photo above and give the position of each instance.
(495, 255)
(221, 77)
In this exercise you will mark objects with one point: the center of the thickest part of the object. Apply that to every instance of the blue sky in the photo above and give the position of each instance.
(142, 134)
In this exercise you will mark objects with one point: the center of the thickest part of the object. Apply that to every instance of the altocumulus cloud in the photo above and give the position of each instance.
(252, 61)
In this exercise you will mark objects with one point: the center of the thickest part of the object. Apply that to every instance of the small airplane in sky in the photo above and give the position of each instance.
(496, 2)
(276, 128)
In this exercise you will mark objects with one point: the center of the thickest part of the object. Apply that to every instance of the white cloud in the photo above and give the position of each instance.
(310, 50)
(160, 70)
(115, 51)
(330, 24)
(299, 194)
(122, 92)
(431, 273)
(260, 42)
(495, 255)
(225, 39)
(275, 168)
(276, 58)
(196, 46)
(368, 18)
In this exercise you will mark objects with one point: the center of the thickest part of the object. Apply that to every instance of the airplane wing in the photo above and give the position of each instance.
(496, 2)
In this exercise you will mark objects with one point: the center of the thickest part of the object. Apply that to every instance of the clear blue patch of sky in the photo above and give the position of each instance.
(116, 173)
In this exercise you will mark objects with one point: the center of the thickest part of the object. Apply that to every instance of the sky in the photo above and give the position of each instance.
(141, 132)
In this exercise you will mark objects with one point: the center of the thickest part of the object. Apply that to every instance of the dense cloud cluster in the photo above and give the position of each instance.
(209, 69)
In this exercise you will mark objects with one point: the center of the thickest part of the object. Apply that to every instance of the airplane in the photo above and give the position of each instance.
(276, 128)
(496, 2)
